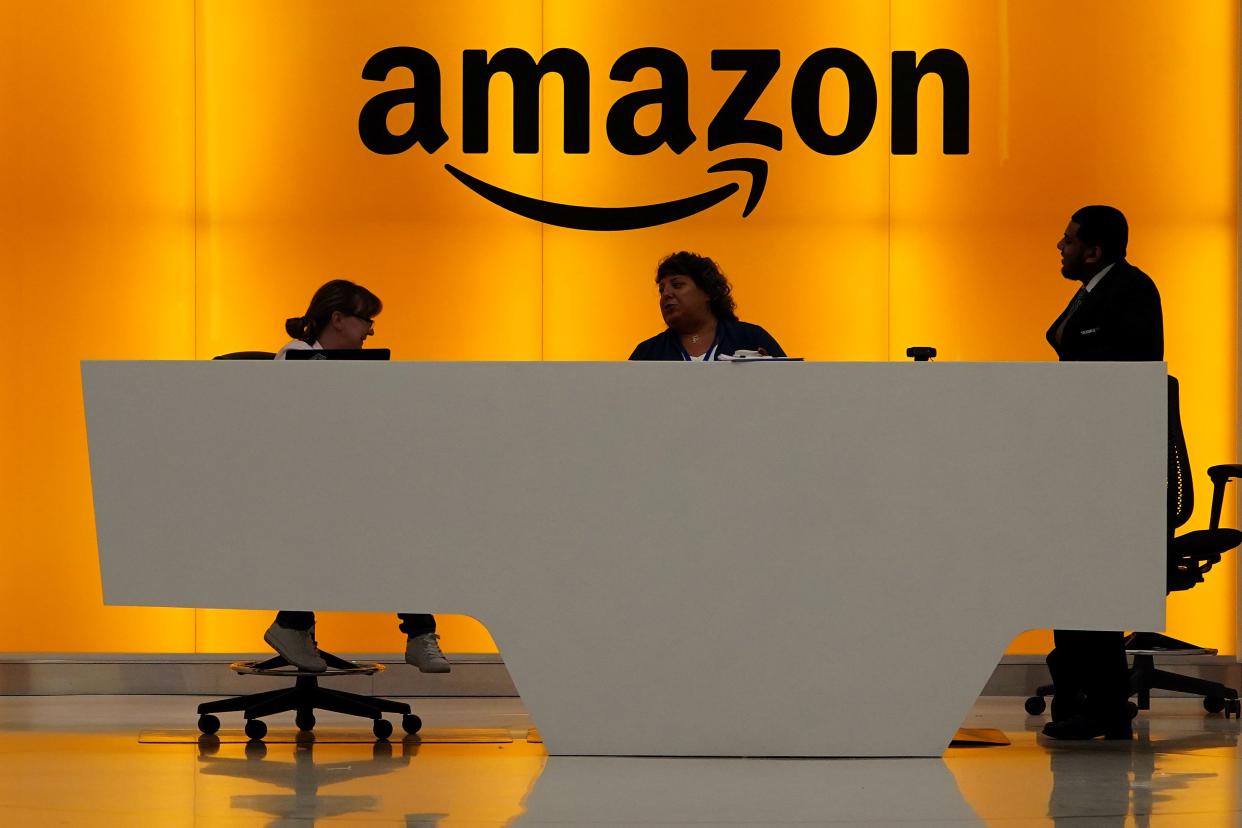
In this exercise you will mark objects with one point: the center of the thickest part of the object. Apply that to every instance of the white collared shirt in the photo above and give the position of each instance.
(298, 345)
(1095, 280)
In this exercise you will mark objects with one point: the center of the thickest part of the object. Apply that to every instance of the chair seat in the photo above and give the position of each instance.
(283, 668)
(1205, 544)
(1194, 553)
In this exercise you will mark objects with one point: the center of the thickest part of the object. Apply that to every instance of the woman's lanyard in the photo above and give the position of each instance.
(707, 357)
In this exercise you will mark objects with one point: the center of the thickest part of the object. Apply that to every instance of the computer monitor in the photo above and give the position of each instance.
(339, 353)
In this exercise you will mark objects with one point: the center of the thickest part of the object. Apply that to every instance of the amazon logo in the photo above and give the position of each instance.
(731, 126)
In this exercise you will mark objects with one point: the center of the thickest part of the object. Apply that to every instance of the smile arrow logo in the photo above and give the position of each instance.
(579, 217)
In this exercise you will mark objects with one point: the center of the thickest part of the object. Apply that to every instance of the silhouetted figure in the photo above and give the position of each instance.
(1114, 316)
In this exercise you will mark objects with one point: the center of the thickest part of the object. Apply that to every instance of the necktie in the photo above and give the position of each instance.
(1078, 297)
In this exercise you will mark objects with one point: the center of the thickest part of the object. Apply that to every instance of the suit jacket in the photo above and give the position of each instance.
(1120, 320)
(730, 338)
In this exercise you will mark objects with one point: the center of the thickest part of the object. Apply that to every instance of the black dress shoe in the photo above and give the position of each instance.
(1085, 727)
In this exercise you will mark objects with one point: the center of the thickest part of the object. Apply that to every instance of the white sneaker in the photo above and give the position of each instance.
(423, 651)
(297, 647)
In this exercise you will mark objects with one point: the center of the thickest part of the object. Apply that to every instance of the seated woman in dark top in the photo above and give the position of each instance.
(697, 304)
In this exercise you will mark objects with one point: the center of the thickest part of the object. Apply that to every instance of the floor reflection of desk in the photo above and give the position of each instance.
(794, 559)
(577, 790)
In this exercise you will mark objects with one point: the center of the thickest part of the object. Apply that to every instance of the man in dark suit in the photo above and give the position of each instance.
(1114, 316)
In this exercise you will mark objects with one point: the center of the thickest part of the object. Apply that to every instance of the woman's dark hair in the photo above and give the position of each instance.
(337, 295)
(707, 275)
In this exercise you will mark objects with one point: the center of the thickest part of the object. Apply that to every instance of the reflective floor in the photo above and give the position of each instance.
(78, 761)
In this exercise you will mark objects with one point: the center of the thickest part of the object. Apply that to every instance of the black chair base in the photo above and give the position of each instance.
(1144, 677)
(304, 698)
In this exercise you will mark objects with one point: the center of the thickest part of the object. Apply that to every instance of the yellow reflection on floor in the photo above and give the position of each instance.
(440, 785)
(89, 779)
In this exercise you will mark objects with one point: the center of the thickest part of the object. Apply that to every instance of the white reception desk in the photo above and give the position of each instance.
(794, 559)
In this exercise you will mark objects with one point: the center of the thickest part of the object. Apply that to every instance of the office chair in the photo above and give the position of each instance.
(1190, 557)
(306, 696)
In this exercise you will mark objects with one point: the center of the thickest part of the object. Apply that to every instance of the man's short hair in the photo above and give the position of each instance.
(1104, 227)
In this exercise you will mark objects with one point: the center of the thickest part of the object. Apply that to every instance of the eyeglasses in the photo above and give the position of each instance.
(370, 322)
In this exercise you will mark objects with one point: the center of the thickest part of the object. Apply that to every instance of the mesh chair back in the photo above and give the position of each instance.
(1181, 487)
(247, 355)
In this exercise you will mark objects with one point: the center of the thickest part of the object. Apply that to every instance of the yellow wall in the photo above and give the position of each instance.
(183, 175)
(96, 262)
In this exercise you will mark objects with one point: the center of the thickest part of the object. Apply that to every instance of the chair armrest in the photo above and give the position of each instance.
(1225, 472)
(1221, 475)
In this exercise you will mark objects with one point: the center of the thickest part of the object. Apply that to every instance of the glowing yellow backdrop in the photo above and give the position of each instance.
(178, 177)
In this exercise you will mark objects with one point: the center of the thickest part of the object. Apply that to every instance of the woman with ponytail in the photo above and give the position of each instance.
(341, 316)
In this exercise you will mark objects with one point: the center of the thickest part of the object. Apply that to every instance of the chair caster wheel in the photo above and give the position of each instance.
(208, 724)
(1035, 705)
(305, 721)
(411, 724)
(1213, 704)
(382, 728)
(1233, 706)
(1132, 710)
(256, 729)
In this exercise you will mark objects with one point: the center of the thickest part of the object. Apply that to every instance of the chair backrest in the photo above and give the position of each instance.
(1181, 486)
(247, 355)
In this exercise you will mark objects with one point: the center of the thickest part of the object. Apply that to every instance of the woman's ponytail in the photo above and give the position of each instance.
(296, 327)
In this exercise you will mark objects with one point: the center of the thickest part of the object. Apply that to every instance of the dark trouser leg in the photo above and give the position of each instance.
(1067, 691)
(1060, 666)
(413, 623)
(295, 619)
(1093, 663)
(1108, 686)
